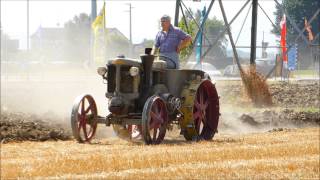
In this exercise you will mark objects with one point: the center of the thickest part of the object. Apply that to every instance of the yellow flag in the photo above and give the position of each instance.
(98, 26)
(99, 22)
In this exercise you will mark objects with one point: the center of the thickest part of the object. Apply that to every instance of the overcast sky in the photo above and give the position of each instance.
(145, 16)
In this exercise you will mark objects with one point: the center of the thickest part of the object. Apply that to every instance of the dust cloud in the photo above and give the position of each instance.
(42, 84)
(50, 91)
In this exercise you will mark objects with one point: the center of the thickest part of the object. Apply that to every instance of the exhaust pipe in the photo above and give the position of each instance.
(147, 61)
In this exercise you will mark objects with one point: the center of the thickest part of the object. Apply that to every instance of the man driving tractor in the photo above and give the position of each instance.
(169, 42)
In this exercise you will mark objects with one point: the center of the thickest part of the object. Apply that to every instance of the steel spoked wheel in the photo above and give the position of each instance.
(154, 120)
(84, 118)
(206, 110)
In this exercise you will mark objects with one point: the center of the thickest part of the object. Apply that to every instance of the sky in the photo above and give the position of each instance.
(145, 16)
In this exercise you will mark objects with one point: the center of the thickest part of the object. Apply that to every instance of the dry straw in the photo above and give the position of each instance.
(256, 87)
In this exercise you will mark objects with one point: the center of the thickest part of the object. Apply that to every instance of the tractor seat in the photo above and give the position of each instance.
(159, 64)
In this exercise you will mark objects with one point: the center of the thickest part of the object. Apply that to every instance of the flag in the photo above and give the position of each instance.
(283, 43)
(99, 46)
(99, 22)
(292, 58)
(308, 28)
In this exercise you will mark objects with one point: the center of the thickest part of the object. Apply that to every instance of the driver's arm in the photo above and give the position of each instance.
(156, 46)
(184, 43)
(155, 51)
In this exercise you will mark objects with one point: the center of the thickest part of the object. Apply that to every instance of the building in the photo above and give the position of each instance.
(56, 44)
(9, 47)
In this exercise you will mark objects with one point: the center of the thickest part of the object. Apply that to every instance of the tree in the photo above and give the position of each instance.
(78, 37)
(78, 31)
(298, 10)
(9, 47)
(212, 29)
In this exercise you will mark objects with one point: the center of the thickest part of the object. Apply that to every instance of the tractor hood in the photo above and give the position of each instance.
(125, 61)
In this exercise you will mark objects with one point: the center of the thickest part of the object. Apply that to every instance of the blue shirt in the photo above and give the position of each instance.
(168, 43)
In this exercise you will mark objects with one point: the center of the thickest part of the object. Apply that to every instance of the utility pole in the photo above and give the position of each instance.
(93, 10)
(262, 44)
(130, 29)
(27, 25)
(254, 31)
(93, 17)
(176, 16)
(130, 25)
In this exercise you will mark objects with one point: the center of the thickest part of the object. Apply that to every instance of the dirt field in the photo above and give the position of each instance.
(281, 141)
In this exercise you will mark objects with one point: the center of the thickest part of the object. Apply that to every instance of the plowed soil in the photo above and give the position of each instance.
(284, 94)
(23, 127)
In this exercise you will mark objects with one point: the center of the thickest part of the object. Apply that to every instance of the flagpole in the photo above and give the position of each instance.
(104, 31)
(28, 55)
(27, 25)
(93, 17)
(130, 29)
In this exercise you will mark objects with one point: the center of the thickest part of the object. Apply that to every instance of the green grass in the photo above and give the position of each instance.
(305, 72)
(308, 109)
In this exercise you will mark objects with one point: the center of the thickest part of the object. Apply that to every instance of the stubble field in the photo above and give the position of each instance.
(291, 153)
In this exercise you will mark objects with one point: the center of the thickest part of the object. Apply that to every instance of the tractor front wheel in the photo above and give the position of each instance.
(154, 120)
(84, 118)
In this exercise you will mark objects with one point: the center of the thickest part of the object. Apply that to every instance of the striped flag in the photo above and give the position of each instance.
(283, 42)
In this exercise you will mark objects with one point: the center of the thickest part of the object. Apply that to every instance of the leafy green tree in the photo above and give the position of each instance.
(190, 28)
(212, 28)
(297, 10)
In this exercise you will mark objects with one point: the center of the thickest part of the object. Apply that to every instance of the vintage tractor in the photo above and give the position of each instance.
(145, 99)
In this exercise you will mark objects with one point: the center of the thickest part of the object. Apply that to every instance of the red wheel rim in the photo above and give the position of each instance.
(206, 110)
(200, 105)
(87, 124)
(157, 121)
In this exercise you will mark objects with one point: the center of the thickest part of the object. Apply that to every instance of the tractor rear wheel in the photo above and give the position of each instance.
(206, 110)
(84, 118)
(201, 111)
(154, 120)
